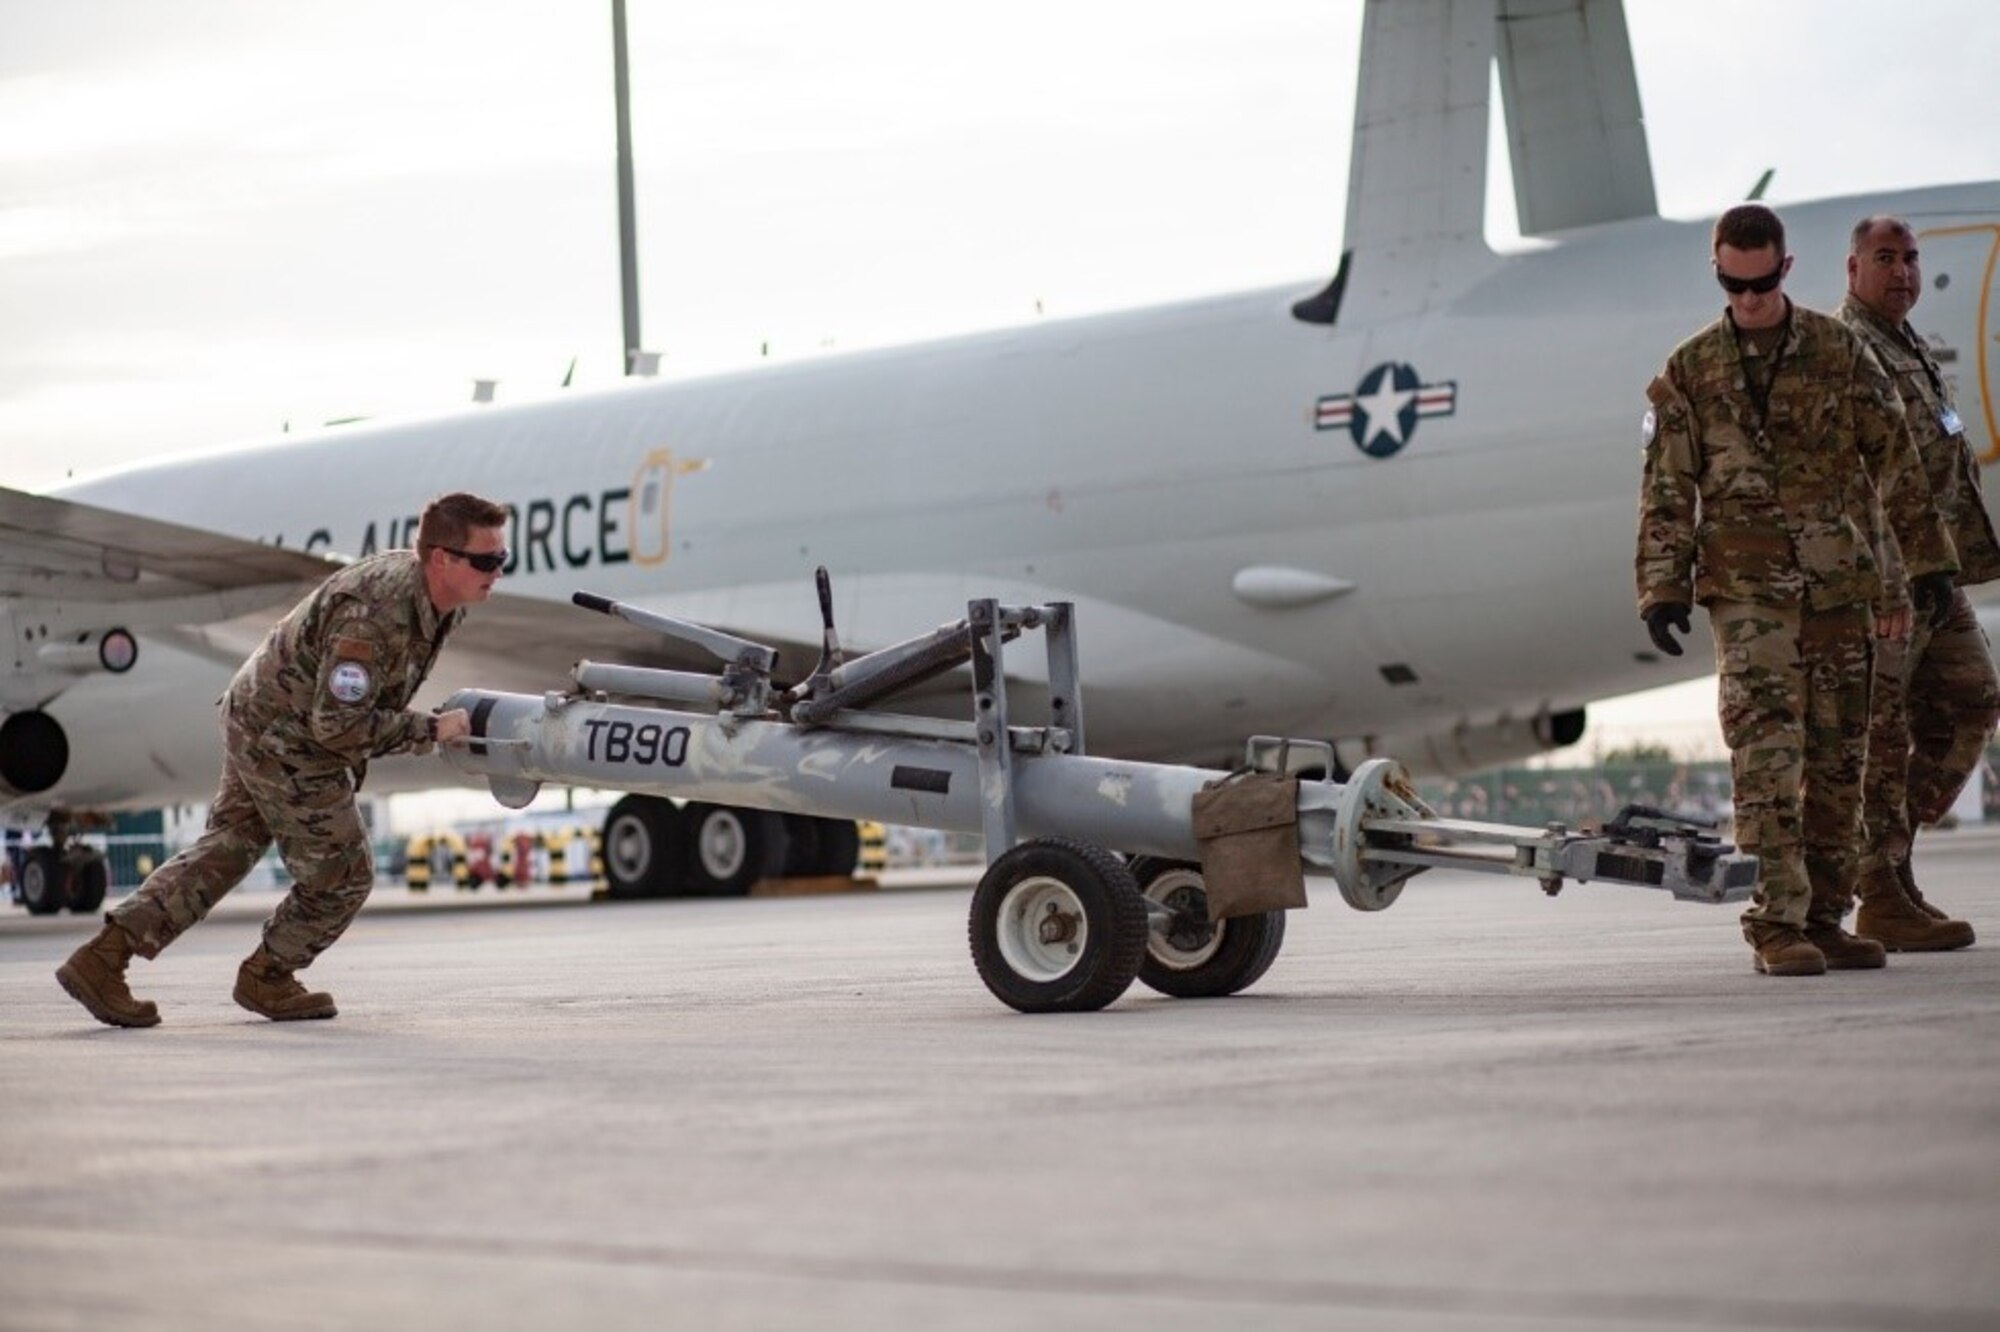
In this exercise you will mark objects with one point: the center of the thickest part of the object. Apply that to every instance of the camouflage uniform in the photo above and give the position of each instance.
(327, 690)
(1937, 696)
(1757, 503)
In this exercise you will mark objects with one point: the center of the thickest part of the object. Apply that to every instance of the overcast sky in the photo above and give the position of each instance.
(220, 217)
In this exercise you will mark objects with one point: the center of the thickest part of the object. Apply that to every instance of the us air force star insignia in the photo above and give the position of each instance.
(1648, 427)
(1382, 413)
(349, 682)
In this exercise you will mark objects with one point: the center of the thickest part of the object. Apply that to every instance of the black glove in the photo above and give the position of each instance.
(1673, 613)
(1933, 592)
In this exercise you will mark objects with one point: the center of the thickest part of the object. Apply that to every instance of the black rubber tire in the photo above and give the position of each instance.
(89, 880)
(1113, 920)
(42, 877)
(801, 845)
(1245, 946)
(645, 849)
(839, 850)
(729, 849)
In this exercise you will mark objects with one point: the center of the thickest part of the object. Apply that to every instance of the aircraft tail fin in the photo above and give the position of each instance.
(1416, 195)
(1574, 128)
(1416, 189)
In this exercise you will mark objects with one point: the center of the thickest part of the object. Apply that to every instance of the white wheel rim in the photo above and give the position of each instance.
(631, 849)
(1180, 889)
(1043, 929)
(723, 845)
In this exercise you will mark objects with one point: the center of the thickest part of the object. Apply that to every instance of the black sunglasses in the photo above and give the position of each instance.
(485, 562)
(1736, 286)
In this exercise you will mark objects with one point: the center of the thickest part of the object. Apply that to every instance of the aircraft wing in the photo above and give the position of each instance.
(136, 570)
(72, 576)
(72, 572)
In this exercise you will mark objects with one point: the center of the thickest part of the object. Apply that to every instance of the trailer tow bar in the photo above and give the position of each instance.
(1093, 871)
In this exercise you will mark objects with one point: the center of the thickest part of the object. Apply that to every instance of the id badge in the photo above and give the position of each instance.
(1948, 421)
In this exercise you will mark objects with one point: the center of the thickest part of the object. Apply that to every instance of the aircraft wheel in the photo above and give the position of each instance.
(729, 848)
(89, 877)
(1195, 958)
(42, 881)
(801, 844)
(1058, 926)
(643, 848)
(821, 847)
(839, 847)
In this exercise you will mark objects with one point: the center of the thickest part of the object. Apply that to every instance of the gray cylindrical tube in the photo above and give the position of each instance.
(1131, 807)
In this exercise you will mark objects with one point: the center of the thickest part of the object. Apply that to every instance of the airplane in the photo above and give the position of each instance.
(1393, 510)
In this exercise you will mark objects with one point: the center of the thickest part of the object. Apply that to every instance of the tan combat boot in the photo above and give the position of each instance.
(1894, 914)
(95, 978)
(266, 986)
(1832, 894)
(1783, 950)
(1844, 952)
(1907, 876)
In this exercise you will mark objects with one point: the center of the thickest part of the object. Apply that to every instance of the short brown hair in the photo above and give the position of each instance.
(1749, 226)
(450, 519)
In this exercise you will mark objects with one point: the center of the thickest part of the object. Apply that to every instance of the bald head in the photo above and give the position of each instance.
(1882, 270)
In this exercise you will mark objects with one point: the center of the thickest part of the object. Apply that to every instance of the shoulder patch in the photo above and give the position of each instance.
(353, 649)
(1649, 426)
(350, 682)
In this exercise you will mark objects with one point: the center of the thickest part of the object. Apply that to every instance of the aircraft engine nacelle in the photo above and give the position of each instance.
(34, 753)
(114, 651)
(1468, 748)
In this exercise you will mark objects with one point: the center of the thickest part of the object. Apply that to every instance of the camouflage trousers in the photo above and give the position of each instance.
(312, 818)
(1794, 686)
(1936, 701)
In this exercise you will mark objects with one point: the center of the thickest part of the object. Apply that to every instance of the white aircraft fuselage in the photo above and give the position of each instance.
(1414, 535)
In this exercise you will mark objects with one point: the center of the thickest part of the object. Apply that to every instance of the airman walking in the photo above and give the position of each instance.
(1777, 461)
(1936, 694)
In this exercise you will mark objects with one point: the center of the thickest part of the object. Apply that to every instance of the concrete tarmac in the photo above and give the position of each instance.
(1480, 1109)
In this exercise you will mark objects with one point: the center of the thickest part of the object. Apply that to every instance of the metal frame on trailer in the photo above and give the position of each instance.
(1093, 871)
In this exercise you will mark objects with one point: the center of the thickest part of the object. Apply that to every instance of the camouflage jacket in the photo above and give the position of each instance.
(1948, 460)
(1781, 502)
(330, 686)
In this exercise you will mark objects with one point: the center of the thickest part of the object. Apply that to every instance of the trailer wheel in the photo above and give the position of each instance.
(1195, 958)
(89, 877)
(643, 848)
(729, 848)
(1058, 926)
(42, 881)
